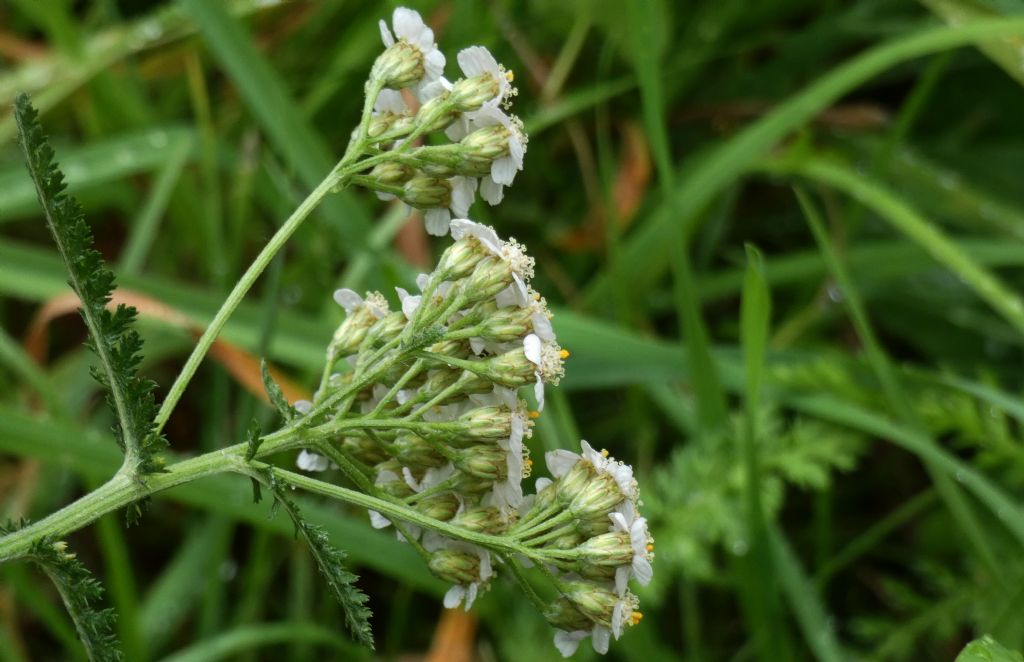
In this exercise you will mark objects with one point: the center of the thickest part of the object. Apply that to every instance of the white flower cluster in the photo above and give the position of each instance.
(487, 144)
(590, 509)
(479, 332)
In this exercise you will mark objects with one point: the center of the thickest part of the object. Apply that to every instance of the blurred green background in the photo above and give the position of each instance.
(872, 153)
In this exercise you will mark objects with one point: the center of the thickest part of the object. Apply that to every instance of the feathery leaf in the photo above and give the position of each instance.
(80, 592)
(274, 393)
(331, 562)
(111, 333)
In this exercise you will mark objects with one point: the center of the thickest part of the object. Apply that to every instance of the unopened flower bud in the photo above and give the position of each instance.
(469, 94)
(387, 328)
(455, 566)
(436, 114)
(483, 520)
(506, 324)
(511, 369)
(563, 615)
(609, 549)
(486, 423)
(441, 507)
(400, 65)
(362, 315)
(599, 604)
(481, 148)
(486, 461)
(574, 481)
(461, 258)
(391, 173)
(471, 485)
(597, 498)
(415, 452)
(365, 450)
(427, 193)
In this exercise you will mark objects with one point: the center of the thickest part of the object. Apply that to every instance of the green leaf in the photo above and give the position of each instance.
(80, 592)
(112, 336)
(331, 562)
(988, 649)
(276, 398)
(253, 437)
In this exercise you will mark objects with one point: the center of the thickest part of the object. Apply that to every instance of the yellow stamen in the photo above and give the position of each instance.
(564, 354)
(650, 547)
(604, 452)
(533, 414)
(529, 462)
(510, 76)
(636, 617)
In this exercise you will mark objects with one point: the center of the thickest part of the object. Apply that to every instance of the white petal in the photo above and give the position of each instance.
(378, 521)
(642, 570)
(600, 639)
(463, 192)
(538, 392)
(390, 101)
(436, 221)
(542, 327)
(422, 280)
(453, 598)
(433, 64)
(619, 521)
(516, 152)
(485, 234)
(531, 348)
(521, 291)
(491, 191)
(385, 34)
(410, 303)
(503, 170)
(408, 24)
(507, 297)
(559, 462)
(471, 595)
(307, 461)
(542, 483)
(617, 618)
(621, 580)
(347, 299)
(568, 642)
(477, 60)
(477, 345)
(303, 406)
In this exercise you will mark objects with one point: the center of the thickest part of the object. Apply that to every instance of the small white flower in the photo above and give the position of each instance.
(639, 539)
(410, 302)
(503, 170)
(437, 220)
(568, 642)
(476, 61)
(510, 251)
(466, 595)
(350, 300)
(409, 26)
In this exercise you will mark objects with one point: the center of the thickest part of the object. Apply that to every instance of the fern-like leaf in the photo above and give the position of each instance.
(275, 394)
(331, 562)
(80, 592)
(111, 333)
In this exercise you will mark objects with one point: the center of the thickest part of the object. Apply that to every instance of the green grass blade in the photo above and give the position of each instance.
(252, 637)
(647, 251)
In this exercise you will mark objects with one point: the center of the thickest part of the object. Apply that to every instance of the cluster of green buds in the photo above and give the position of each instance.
(420, 407)
(474, 143)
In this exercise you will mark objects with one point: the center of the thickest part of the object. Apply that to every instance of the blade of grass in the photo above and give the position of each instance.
(711, 405)
(271, 104)
(647, 252)
(901, 405)
(146, 223)
(920, 230)
(766, 627)
(251, 637)
(804, 600)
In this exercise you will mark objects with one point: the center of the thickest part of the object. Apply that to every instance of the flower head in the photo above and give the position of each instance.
(412, 39)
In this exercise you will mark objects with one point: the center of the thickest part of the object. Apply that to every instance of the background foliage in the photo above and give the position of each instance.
(885, 436)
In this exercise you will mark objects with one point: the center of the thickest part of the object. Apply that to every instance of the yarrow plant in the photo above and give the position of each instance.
(418, 410)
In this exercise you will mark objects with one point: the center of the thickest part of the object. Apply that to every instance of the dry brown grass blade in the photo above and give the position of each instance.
(453, 638)
(240, 364)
